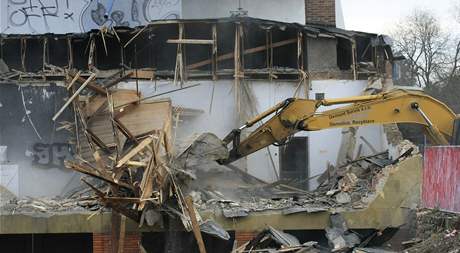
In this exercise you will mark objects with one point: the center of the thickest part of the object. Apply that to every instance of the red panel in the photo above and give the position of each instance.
(441, 178)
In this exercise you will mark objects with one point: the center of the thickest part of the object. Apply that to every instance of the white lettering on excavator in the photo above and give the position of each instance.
(350, 111)
(353, 122)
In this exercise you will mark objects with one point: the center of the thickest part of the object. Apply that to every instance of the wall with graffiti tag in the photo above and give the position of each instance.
(75, 16)
(35, 146)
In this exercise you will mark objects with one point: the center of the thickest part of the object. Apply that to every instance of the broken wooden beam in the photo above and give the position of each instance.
(190, 41)
(114, 205)
(125, 131)
(100, 174)
(195, 225)
(134, 151)
(117, 80)
(230, 56)
(74, 80)
(85, 83)
(146, 185)
(91, 85)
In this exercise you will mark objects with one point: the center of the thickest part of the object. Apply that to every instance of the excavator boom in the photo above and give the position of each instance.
(294, 115)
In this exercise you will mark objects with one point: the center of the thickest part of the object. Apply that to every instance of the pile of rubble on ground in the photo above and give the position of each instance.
(123, 144)
(121, 140)
(437, 231)
(339, 239)
(272, 240)
(80, 200)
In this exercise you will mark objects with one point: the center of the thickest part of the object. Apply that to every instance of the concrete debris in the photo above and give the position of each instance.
(206, 147)
(49, 206)
(350, 186)
(348, 182)
(212, 228)
(340, 239)
(436, 231)
(343, 198)
(272, 240)
(372, 250)
(6, 196)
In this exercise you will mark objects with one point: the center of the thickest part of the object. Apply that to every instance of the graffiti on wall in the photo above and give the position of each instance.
(51, 155)
(74, 16)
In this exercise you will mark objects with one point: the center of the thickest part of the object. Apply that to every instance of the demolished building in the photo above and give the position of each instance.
(80, 102)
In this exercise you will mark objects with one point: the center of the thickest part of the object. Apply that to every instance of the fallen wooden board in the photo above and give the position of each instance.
(119, 97)
(100, 174)
(195, 225)
(190, 41)
(134, 151)
(139, 119)
(114, 204)
(87, 81)
(147, 117)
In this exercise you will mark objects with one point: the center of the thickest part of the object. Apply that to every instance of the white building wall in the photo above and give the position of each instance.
(285, 11)
(223, 116)
(324, 145)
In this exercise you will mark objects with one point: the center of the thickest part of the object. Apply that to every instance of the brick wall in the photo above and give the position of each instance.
(320, 12)
(102, 243)
(242, 237)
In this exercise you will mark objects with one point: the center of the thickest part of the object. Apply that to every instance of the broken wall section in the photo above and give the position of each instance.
(36, 147)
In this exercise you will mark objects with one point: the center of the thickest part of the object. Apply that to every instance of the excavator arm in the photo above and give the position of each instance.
(294, 115)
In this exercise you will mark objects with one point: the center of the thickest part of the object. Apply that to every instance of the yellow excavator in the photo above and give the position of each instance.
(397, 106)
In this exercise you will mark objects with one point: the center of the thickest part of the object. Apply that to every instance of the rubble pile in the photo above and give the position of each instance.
(437, 231)
(272, 241)
(123, 144)
(350, 186)
(49, 206)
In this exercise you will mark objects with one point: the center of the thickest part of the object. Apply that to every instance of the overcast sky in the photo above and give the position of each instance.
(379, 16)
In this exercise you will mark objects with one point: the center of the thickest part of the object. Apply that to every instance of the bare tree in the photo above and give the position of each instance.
(422, 42)
(455, 71)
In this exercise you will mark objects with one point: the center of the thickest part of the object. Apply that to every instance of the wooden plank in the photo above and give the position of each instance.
(119, 79)
(144, 118)
(74, 80)
(146, 185)
(96, 140)
(195, 225)
(125, 131)
(114, 205)
(93, 86)
(190, 41)
(100, 122)
(98, 104)
(247, 51)
(101, 174)
(74, 96)
(143, 74)
(134, 151)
